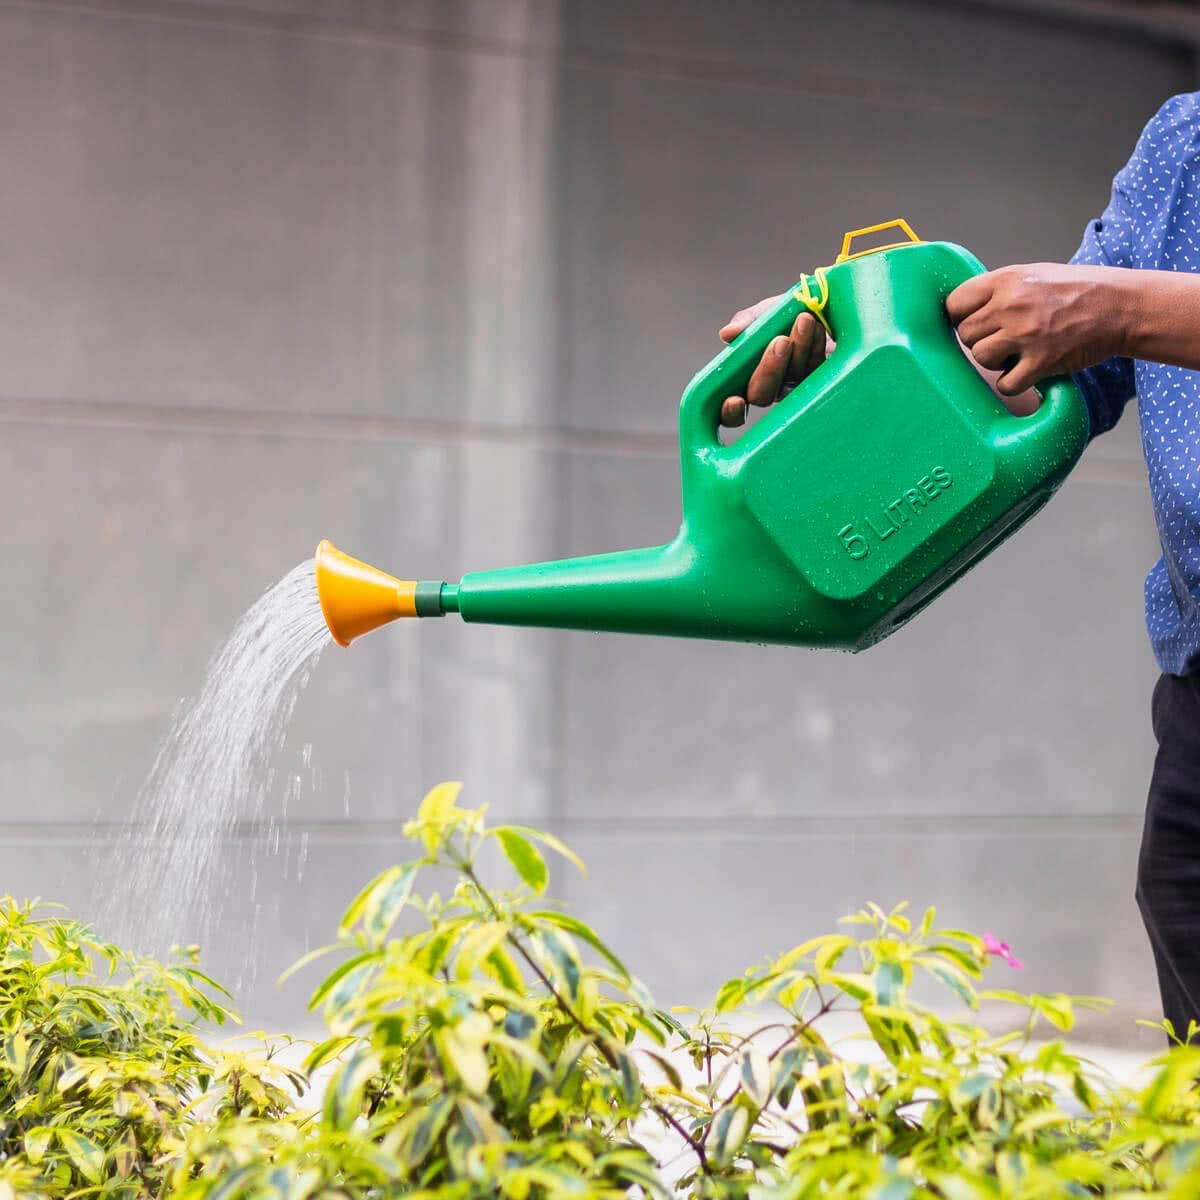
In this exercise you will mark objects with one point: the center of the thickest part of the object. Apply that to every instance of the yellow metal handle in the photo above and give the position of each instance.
(899, 223)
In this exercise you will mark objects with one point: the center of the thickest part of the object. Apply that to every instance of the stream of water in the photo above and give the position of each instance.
(214, 771)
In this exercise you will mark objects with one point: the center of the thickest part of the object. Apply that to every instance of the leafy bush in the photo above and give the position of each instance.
(485, 1043)
(98, 1075)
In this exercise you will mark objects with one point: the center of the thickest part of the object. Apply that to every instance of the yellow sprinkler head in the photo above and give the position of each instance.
(356, 597)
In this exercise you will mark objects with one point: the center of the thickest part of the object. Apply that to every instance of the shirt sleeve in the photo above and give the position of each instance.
(1110, 241)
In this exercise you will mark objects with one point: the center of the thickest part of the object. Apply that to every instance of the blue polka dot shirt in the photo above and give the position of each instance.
(1153, 222)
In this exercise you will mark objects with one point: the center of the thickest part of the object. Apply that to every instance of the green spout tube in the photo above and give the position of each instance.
(676, 590)
(651, 590)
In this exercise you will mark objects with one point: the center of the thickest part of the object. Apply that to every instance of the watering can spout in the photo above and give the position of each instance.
(637, 591)
(356, 597)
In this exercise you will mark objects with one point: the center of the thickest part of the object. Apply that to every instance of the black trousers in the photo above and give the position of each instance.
(1168, 884)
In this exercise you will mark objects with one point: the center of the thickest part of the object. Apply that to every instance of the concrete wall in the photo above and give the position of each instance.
(427, 278)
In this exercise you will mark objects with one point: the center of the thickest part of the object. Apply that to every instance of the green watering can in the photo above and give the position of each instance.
(838, 516)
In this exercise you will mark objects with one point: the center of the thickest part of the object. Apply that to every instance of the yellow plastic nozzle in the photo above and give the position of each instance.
(356, 597)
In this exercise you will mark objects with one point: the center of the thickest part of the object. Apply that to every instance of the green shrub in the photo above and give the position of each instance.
(102, 1059)
(491, 1045)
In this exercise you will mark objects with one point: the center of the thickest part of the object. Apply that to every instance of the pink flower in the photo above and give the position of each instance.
(1001, 950)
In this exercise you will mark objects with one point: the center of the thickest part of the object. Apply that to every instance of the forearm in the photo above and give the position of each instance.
(1155, 316)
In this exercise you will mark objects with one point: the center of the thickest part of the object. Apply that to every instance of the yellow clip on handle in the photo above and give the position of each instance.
(899, 223)
(815, 302)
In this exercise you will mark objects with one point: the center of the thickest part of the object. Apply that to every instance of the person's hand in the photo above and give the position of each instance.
(1032, 321)
(786, 360)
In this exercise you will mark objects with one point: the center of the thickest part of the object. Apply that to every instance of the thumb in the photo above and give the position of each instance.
(744, 318)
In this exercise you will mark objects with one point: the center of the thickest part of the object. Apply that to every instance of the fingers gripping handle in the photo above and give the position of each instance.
(729, 373)
(1062, 412)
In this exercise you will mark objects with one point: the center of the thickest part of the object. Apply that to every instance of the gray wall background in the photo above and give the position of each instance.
(427, 278)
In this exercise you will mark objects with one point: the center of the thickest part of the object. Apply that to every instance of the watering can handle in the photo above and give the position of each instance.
(846, 254)
(729, 373)
(1062, 412)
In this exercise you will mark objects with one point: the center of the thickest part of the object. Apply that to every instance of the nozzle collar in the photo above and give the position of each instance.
(428, 598)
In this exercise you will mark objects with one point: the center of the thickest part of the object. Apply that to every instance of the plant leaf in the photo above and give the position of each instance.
(339, 973)
(755, 1076)
(466, 1055)
(552, 843)
(426, 1129)
(437, 811)
(305, 959)
(328, 1049)
(584, 932)
(524, 857)
(728, 1131)
(386, 899)
(37, 1142)
(343, 1097)
(565, 960)
(888, 982)
(87, 1157)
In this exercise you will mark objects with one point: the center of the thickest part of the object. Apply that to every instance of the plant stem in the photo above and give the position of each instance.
(663, 1113)
(826, 1006)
